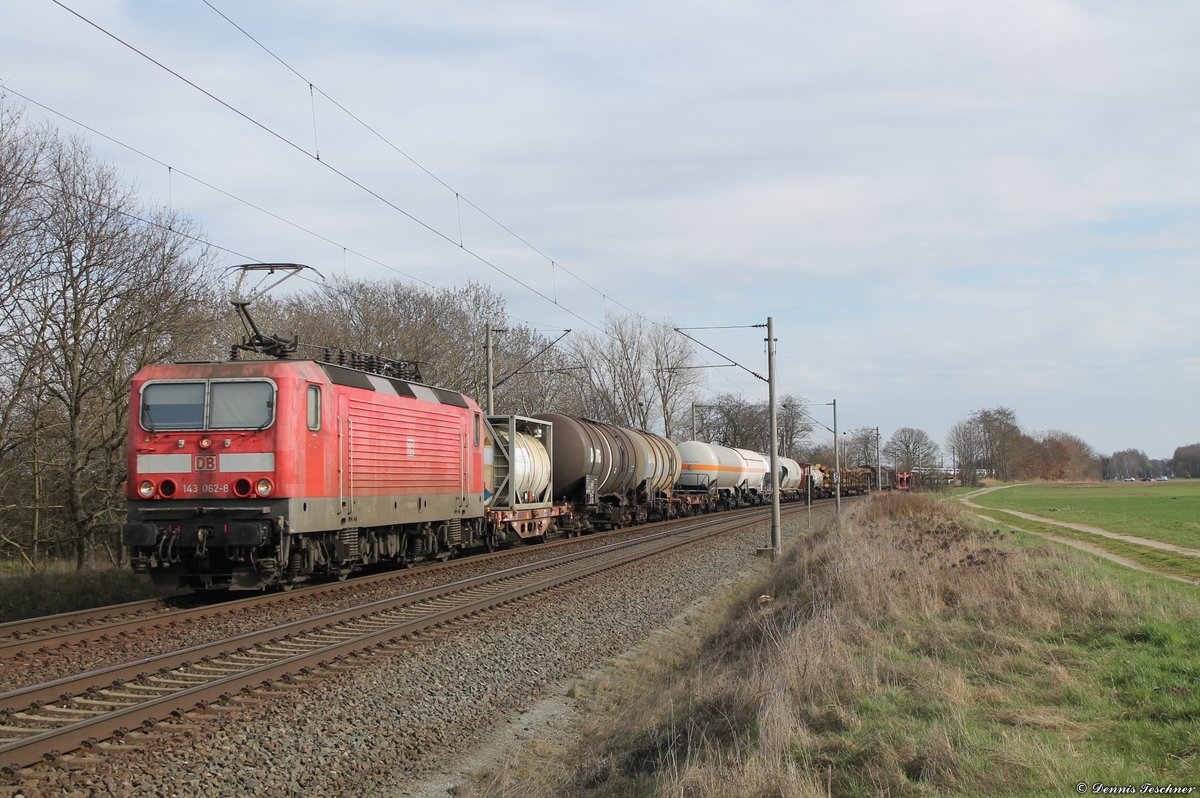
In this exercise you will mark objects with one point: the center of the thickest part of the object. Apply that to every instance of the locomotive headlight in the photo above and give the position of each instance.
(146, 489)
(263, 487)
(205, 442)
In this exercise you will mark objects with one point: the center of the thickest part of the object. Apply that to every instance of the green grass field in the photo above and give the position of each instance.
(1164, 511)
(1182, 565)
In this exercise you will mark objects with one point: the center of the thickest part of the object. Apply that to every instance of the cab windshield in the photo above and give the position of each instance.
(208, 405)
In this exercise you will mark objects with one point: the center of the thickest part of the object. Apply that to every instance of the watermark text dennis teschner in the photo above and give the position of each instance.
(1146, 788)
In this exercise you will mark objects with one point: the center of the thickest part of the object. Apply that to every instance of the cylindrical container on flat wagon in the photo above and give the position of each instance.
(790, 474)
(530, 472)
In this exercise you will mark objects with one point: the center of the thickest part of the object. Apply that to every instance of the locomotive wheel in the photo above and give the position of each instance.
(287, 587)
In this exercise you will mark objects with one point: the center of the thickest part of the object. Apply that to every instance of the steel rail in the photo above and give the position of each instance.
(13, 633)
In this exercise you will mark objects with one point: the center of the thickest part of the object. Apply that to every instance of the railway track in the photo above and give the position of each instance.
(46, 634)
(41, 721)
(17, 635)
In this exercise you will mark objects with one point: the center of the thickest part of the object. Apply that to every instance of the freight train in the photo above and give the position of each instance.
(253, 474)
(263, 474)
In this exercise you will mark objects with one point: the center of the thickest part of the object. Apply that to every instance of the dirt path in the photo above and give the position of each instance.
(1091, 530)
(1082, 545)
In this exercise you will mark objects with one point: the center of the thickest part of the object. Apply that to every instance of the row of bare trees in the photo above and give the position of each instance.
(1135, 464)
(990, 442)
(92, 285)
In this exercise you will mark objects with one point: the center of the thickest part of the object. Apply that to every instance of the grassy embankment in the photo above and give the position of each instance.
(1166, 512)
(907, 652)
(58, 587)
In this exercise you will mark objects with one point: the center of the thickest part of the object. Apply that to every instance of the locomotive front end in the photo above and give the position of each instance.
(205, 505)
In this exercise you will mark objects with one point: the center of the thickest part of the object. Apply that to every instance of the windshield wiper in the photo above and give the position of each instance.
(266, 423)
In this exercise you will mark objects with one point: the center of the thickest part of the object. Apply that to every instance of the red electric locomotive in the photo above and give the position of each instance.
(250, 474)
(262, 473)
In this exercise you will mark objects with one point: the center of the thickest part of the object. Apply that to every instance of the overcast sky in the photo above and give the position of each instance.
(944, 205)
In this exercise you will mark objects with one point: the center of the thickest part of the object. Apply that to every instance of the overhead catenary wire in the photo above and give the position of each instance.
(457, 194)
(137, 217)
(325, 163)
(361, 186)
(174, 170)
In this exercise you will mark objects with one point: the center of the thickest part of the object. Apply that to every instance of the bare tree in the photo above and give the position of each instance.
(22, 179)
(910, 448)
(1001, 439)
(442, 330)
(635, 374)
(1185, 463)
(817, 453)
(1067, 457)
(859, 447)
(730, 420)
(533, 373)
(965, 442)
(793, 423)
(116, 288)
(674, 375)
(1132, 463)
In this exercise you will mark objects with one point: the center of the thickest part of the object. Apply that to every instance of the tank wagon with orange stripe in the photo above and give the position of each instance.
(721, 477)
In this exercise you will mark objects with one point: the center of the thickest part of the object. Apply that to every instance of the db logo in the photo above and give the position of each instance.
(206, 462)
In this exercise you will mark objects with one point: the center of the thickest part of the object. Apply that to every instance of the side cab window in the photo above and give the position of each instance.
(314, 407)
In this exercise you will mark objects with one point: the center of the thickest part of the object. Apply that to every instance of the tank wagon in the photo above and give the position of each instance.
(721, 477)
(611, 476)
